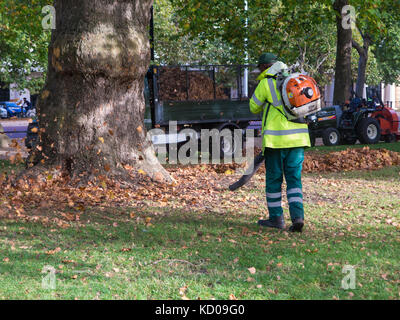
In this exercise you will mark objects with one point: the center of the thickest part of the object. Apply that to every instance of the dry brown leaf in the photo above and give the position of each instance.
(252, 270)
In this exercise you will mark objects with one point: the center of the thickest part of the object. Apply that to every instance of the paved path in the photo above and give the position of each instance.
(15, 129)
(7, 153)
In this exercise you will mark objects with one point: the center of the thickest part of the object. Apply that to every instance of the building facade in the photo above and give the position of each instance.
(390, 95)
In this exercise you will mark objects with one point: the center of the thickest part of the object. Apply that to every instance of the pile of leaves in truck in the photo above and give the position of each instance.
(173, 84)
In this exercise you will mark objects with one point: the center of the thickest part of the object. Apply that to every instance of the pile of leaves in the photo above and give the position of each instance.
(347, 160)
(56, 200)
(350, 159)
(202, 188)
(173, 83)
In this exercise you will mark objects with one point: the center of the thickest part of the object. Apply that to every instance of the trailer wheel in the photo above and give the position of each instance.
(228, 147)
(369, 131)
(331, 137)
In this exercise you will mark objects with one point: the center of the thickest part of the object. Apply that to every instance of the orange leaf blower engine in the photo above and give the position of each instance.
(301, 96)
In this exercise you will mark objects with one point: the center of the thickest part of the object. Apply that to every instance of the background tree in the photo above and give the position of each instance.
(91, 110)
(299, 32)
(307, 32)
(174, 47)
(343, 56)
(387, 54)
(23, 43)
(375, 20)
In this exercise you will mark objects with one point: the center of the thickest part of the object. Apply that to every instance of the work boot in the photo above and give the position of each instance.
(273, 222)
(297, 225)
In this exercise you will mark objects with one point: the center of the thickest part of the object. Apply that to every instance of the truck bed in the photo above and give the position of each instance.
(202, 94)
(214, 111)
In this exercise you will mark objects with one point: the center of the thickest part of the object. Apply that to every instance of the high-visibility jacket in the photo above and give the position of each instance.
(278, 132)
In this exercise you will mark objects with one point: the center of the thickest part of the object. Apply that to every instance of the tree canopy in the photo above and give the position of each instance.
(297, 31)
(219, 32)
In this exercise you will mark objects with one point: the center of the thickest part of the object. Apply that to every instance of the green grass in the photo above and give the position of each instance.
(388, 173)
(350, 220)
(395, 146)
(7, 167)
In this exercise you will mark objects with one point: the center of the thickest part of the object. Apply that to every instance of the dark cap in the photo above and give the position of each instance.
(267, 58)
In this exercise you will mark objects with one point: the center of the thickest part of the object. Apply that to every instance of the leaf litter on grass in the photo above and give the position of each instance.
(201, 188)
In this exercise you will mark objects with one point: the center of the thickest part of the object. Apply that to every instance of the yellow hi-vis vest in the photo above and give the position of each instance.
(278, 132)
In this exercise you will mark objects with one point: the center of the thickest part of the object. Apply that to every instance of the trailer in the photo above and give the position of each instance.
(200, 97)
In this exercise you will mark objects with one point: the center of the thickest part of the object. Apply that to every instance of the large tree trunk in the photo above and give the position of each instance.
(343, 57)
(91, 111)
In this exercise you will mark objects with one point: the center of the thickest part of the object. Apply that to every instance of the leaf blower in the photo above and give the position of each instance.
(258, 161)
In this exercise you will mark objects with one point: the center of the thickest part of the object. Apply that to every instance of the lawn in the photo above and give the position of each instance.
(214, 249)
(395, 146)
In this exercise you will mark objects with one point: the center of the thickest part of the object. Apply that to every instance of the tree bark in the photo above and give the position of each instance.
(343, 57)
(91, 110)
(362, 64)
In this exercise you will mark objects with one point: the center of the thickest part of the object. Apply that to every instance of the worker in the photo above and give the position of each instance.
(283, 146)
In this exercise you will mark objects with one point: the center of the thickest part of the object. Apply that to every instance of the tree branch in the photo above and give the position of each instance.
(358, 47)
(359, 30)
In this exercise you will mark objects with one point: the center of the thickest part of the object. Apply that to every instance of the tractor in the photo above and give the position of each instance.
(368, 121)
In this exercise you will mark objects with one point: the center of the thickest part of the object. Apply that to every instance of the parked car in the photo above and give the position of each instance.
(13, 110)
(3, 112)
(31, 113)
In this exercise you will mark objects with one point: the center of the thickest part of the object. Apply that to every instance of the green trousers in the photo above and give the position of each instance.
(288, 162)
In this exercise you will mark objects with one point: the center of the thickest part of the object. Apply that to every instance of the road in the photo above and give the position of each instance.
(15, 129)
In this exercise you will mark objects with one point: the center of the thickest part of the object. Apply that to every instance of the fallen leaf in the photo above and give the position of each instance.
(182, 290)
(252, 270)
(232, 297)
(51, 252)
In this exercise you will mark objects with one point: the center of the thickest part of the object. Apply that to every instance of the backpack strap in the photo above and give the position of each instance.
(266, 114)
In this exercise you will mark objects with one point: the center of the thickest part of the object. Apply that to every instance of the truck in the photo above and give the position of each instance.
(367, 120)
(200, 97)
(197, 97)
